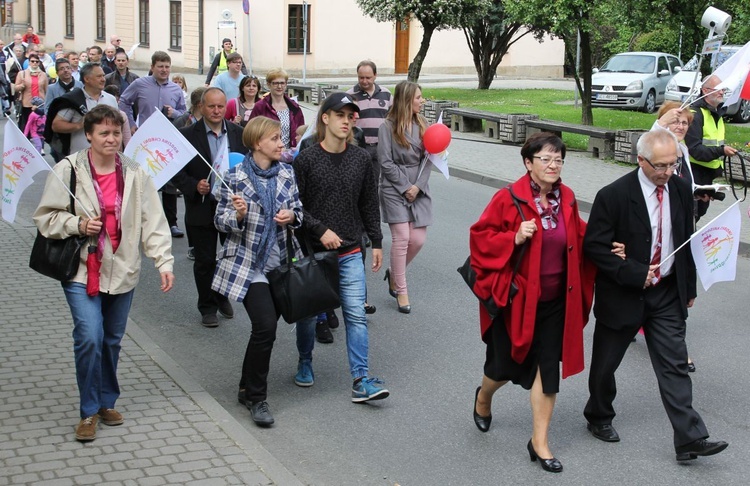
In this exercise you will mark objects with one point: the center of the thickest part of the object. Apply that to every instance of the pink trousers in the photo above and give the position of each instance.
(406, 241)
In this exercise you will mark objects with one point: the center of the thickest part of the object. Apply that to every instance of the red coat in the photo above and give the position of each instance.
(492, 257)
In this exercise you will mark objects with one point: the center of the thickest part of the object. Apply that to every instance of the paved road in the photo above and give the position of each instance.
(431, 360)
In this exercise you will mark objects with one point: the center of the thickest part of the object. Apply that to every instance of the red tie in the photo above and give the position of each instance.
(657, 252)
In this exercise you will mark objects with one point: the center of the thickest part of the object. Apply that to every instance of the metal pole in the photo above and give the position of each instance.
(248, 55)
(578, 67)
(304, 41)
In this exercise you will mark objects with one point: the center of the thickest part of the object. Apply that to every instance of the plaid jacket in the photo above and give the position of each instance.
(237, 256)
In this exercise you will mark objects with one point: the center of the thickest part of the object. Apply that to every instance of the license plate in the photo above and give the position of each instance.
(606, 97)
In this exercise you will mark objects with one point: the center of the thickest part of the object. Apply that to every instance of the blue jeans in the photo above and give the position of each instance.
(98, 327)
(352, 292)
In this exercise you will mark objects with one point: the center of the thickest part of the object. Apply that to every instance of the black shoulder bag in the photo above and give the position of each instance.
(470, 276)
(305, 287)
(58, 258)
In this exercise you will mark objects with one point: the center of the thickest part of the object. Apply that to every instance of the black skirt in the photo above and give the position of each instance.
(545, 352)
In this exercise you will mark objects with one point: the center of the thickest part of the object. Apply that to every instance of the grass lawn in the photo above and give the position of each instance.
(553, 104)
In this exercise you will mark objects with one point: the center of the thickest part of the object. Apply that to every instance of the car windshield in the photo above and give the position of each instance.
(629, 64)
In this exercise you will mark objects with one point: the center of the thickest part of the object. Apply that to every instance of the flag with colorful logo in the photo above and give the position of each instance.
(21, 162)
(715, 247)
(160, 149)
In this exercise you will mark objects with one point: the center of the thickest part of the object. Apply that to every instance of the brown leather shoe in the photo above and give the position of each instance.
(110, 416)
(86, 430)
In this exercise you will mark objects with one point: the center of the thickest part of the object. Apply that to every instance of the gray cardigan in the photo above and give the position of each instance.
(399, 167)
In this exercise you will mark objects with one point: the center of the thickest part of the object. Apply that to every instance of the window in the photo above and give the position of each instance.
(175, 26)
(69, 28)
(101, 30)
(41, 16)
(662, 65)
(144, 24)
(296, 28)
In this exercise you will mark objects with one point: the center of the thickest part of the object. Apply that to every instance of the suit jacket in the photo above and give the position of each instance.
(619, 213)
(237, 257)
(199, 210)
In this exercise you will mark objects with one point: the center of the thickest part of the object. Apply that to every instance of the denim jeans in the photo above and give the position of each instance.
(352, 292)
(98, 326)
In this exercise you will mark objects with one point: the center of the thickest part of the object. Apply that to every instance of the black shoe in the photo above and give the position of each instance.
(225, 309)
(333, 320)
(404, 309)
(176, 232)
(323, 333)
(210, 320)
(483, 423)
(700, 447)
(604, 432)
(369, 309)
(551, 465)
(260, 413)
(387, 278)
(691, 366)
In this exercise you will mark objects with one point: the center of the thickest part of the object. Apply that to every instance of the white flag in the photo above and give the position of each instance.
(21, 162)
(733, 72)
(715, 247)
(440, 160)
(160, 149)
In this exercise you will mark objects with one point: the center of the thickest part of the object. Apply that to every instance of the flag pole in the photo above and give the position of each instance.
(696, 233)
(66, 186)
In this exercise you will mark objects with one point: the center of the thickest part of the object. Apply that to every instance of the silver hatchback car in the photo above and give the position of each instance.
(633, 80)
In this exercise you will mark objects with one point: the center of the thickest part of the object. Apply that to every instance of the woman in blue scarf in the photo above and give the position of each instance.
(263, 200)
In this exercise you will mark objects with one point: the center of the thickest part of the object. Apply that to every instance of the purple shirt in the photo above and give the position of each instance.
(149, 96)
(554, 261)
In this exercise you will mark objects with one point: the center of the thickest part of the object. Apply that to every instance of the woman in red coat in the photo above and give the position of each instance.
(543, 325)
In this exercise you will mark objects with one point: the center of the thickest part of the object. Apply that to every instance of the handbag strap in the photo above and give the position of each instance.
(72, 187)
(290, 248)
(525, 243)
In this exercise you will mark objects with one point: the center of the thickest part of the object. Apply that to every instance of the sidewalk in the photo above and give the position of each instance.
(174, 432)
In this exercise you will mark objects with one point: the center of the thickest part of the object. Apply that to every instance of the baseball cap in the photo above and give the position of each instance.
(336, 101)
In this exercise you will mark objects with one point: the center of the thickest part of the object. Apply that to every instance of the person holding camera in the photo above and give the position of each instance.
(542, 324)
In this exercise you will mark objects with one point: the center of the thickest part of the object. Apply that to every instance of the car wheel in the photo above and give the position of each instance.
(650, 105)
(743, 114)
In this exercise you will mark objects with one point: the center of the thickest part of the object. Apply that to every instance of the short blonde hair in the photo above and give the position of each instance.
(256, 129)
(275, 74)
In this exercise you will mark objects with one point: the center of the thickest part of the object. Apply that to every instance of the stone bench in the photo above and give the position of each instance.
(601, 140)
(303, 92)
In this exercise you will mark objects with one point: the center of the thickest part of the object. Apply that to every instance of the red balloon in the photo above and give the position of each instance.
(436, 138)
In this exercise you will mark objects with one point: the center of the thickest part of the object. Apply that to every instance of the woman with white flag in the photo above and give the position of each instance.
(120, 196)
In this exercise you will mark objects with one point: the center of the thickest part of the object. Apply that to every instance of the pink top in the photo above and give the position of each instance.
(554, 261)
(108, 185)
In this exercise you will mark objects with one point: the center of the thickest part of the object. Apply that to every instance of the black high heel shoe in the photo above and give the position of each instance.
(387, 278)
(483, 423)
(551, 465)
(404, 309)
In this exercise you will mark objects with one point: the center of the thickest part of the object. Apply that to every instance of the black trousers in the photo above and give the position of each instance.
(169, 203)
(703, 176)
(664, 329)
(204, 249)
(263, 318)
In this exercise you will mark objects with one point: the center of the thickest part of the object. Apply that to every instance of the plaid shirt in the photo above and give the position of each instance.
(236, 258)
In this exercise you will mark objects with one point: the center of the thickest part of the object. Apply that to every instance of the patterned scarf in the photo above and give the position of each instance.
(548, 214)
(270, 206)
(102, 209)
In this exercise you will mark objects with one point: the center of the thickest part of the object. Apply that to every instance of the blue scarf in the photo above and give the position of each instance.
(270, 206)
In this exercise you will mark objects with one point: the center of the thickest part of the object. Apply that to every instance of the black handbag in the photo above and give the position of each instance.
(306, 287)
(470, 276)
(58, 258)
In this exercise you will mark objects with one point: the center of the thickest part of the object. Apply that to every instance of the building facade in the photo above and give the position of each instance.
(271, 35)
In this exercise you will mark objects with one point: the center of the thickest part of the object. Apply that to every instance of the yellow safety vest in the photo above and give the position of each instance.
(222, 63)
(713, 136)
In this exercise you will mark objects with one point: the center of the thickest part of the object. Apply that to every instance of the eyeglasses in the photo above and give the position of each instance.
(34, 61)
(660, 169)
(278, 83)
(546, 161)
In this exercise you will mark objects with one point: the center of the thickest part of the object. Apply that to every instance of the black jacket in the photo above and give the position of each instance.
(74, 99)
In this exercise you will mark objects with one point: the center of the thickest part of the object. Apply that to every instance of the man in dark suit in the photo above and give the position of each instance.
(213, 138)
(652, 214)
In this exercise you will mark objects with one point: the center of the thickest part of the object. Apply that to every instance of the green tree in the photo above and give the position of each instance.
(432, 14)
(489, 38)
(563, 19)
